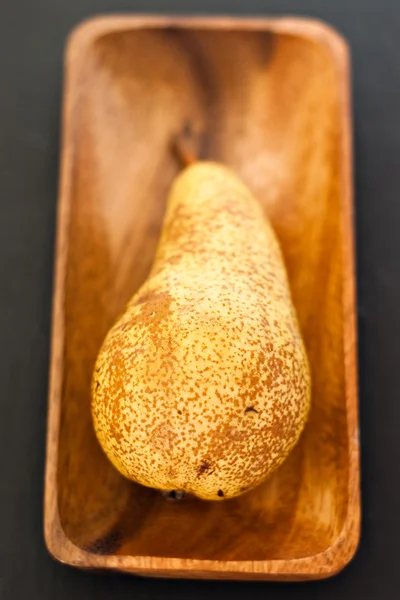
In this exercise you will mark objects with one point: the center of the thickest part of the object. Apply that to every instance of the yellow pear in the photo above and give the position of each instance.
(203, 384)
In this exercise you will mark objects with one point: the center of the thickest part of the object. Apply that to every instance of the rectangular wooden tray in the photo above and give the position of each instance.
(272, 98)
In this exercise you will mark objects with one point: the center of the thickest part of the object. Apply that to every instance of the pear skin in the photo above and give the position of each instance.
(203, 384)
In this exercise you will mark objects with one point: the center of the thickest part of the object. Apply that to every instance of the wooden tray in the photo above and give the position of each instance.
(272, 98)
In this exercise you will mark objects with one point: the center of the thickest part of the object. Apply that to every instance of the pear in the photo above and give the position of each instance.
(203, 384)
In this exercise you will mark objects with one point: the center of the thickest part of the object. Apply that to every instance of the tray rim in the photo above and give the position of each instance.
(337, 556)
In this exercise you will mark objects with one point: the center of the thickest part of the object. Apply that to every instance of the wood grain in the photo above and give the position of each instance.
(270, 98)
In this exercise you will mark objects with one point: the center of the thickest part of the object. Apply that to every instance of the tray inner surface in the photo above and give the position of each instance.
(268, 105)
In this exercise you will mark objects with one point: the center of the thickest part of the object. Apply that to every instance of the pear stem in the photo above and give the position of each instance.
(184, 147)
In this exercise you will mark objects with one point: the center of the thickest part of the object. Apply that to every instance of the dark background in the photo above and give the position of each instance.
(32, 36)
